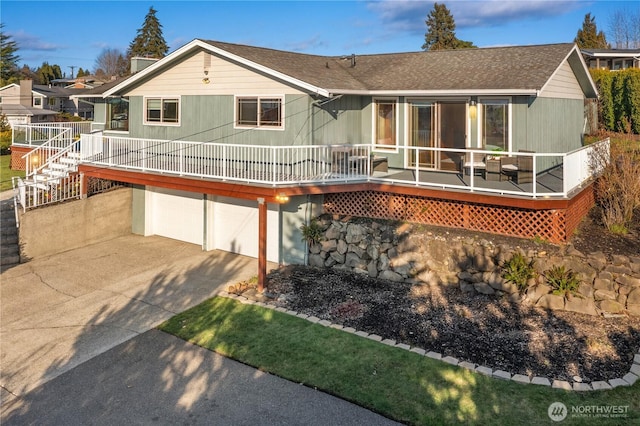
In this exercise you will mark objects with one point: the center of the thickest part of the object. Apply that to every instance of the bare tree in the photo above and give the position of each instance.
(111, 63)
(624, 28)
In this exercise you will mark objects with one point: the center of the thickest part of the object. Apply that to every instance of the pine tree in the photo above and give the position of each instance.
(149, 42)
(8, 59)
(588, 36)
(441, 31)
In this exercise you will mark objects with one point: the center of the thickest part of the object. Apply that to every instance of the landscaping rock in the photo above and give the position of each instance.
(551, 301)
(581, 305)
(610, 306)
(605, 295)
(484, 288)
(628, 281)
(603, 284)
(534, 293)
(391, 276)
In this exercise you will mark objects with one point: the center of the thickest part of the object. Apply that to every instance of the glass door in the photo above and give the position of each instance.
(453, 134)
(422, 134)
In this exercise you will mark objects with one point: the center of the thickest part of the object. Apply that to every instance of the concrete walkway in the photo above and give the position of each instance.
(83, 317)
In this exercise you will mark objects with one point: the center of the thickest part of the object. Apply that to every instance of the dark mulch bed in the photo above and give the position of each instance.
(481, 329)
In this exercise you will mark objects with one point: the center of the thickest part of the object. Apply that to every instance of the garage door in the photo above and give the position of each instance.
(175, 214)
(235, 227)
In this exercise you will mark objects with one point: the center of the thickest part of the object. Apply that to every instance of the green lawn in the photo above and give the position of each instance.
(6, 173)
(394, 382)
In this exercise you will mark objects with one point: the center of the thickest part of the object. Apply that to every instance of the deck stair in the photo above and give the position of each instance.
(9, 243)
(61, 166)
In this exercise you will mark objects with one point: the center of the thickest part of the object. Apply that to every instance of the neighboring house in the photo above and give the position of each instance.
(21, 105)
(26, 103)
(219, 140)
(612, 59)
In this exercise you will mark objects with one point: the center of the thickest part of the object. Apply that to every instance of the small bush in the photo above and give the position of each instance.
(311, 233)
(518, 271)
(617, 189)
(564, 282)
(5, 142)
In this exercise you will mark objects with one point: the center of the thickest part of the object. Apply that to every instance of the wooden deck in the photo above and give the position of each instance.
(549, 182)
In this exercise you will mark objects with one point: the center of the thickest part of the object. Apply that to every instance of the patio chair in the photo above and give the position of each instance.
(518, 169)
(479, 165)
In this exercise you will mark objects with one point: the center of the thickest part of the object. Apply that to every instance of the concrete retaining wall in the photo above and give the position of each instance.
(61, 227)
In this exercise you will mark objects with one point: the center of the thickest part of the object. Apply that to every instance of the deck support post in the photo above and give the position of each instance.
(262, 244)
(84, 186)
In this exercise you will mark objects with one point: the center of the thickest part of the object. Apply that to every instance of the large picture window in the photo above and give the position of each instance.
(385, 124)
(162, 110)
(495, 124)
(118, 114)
(259, 112)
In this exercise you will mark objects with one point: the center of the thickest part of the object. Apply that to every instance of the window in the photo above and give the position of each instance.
(385, 124)
(37, 101)
(118, 114)
(162, 110)
(259, 112)
(52, 101)
(495, 124)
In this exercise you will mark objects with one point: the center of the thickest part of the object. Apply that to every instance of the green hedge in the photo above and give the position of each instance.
(619, 103)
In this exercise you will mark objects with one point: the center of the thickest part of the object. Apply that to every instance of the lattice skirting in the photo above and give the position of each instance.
(553, 225)
(17, 162)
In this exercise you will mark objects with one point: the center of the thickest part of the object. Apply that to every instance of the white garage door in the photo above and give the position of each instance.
(175, 214)
(235, 227)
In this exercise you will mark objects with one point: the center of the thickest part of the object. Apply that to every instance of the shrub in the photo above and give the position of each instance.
(518, 271)
(5, 142)
(617, 189)
(564, 282)
(311, 233)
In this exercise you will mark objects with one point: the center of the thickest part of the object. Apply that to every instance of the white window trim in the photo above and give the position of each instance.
(489, 100)
(162, 98)
(258, 97)
(377, 148)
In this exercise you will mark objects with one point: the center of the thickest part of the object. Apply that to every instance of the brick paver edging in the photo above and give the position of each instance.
(629, 379)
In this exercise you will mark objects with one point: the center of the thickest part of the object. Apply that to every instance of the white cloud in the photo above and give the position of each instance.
(28, 41)
(410, 15)
(310, 44)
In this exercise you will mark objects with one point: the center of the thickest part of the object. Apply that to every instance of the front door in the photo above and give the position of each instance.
(439, 125)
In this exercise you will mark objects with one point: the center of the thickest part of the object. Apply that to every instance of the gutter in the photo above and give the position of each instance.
(457, 92)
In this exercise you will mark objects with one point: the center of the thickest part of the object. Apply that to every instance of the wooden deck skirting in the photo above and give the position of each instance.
(553, 224)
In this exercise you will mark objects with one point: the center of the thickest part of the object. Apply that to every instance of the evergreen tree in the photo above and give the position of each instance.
(8, 59)
(588, 36)
(441, 31)
(149, 42)
(47, 73)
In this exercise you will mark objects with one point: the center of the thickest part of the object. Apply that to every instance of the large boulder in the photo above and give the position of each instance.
(551, 301)
(581, 305)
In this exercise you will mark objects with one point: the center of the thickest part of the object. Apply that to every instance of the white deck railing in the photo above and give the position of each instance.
(287, 165)
(30, 194)
(37, 134)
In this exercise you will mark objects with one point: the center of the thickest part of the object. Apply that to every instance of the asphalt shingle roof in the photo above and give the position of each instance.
(519, 67)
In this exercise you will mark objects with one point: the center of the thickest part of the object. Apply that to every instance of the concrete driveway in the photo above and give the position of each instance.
(74, 329)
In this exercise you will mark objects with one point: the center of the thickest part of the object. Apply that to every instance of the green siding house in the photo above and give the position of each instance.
(219, 139)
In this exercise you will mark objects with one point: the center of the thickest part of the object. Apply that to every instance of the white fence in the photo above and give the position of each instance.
(37, 134)
(30, 194)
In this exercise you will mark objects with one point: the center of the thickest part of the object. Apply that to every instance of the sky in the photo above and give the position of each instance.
(74, 33)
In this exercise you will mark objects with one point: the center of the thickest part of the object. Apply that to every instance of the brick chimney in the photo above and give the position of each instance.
(26, 86)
